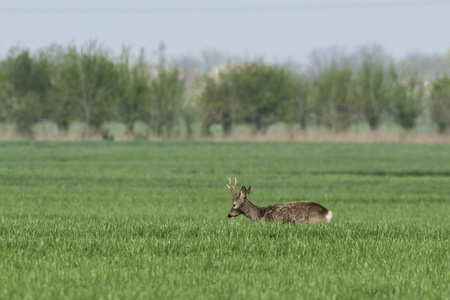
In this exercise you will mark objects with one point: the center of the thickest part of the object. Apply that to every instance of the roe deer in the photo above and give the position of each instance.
(295, 212)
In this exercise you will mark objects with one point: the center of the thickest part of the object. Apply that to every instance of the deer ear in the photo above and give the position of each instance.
(248, 190)
(243, 191)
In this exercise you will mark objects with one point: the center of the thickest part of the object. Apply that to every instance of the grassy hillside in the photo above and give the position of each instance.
(149, 220)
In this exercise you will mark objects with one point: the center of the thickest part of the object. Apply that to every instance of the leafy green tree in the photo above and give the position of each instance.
(98, 80)
(253, 93)
(20, 67)
(262, 91)
(297, 108)
(27, 112)
(40, 82)
(407, 99)
(65, 104)
(5, 94)
(66, 99)
(30, 81)
(372, 89)
(133, 90)
(440, 103)
(333, 103)
(167, 90)
(215, 103)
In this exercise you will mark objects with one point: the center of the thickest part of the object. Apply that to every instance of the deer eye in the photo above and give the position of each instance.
(234, 204)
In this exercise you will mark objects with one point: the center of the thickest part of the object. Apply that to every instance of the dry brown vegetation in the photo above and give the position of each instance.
(278, 134)
(354, 137)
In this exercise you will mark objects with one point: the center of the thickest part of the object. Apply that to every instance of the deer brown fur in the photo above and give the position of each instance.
(292, 212)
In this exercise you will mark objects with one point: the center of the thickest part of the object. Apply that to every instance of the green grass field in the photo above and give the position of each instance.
(148, 220)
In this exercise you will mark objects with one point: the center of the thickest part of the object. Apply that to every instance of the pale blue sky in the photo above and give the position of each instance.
(280, 29)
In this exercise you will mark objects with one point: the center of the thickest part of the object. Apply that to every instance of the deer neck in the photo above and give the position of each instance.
(252, 211)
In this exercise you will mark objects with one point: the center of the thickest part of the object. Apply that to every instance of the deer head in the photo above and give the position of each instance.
(239, 200)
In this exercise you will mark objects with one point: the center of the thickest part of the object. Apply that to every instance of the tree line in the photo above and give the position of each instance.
(68, 84)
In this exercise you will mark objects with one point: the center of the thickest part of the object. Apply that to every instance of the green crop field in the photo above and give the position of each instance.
(148, 220)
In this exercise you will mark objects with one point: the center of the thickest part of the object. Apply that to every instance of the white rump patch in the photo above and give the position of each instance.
(329, 216)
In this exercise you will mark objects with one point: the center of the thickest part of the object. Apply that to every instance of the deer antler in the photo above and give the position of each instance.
(232, 187)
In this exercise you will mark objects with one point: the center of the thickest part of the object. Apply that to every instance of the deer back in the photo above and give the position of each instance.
(297, 212)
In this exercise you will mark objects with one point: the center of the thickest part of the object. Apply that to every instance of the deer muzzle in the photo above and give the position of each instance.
(233, 213)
